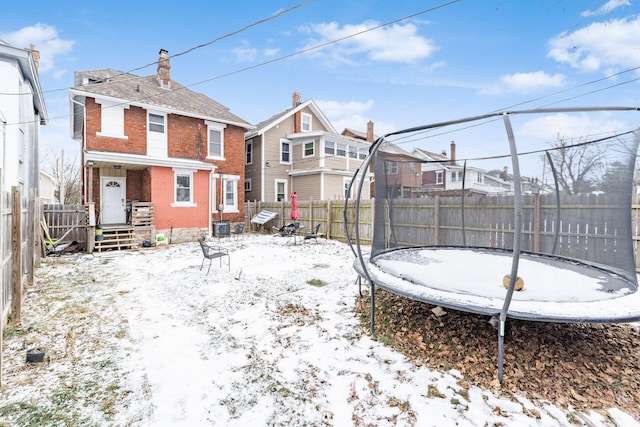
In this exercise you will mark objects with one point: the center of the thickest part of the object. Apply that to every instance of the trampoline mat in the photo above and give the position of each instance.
(555, 289)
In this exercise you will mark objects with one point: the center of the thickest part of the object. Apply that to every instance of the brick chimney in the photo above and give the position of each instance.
(297, 117)
(453, 152)
(370, 131)
(164, 68)
(36, 55)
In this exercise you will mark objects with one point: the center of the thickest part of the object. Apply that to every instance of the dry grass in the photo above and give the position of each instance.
(584, 366)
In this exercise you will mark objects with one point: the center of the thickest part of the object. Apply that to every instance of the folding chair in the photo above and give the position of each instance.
(313, 235)
(238, 230)
(211, 252)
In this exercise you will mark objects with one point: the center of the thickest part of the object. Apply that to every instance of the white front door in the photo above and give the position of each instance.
(113, 195)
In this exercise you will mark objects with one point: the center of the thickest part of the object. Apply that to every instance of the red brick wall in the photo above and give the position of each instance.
(187, 137)
(167, 216)
(139, 185)
(135, 128)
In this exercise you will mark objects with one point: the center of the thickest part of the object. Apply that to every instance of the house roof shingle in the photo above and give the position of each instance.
(147, 91)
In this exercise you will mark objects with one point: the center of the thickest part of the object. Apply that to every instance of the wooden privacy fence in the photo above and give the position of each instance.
(584, 229)
(68, 221)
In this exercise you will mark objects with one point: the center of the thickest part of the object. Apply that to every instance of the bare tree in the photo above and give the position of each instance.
(67, 175)
(579, 165)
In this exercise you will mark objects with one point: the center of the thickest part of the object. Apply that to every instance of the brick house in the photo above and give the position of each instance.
(299, 150)
(150, 139)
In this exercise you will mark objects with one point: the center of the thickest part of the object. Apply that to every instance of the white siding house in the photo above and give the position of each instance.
(22, 111)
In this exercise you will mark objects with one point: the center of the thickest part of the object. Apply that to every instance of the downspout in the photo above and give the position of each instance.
(88, 195)
(211, 201)
(263, 171)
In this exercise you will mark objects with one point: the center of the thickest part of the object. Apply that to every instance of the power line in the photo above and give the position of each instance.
(217, 39)
(299, 52)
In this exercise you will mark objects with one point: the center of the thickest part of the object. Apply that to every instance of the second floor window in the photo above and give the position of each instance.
(439, 177)
(341, 150)
(309, 149)
(215, 140)
(329, 147)
(353, 152)
(285, 152)
(392, 167)
(215, 143)
(248, 151)
(156, 123)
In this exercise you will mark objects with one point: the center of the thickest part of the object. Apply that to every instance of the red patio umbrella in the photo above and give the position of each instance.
(294, 206)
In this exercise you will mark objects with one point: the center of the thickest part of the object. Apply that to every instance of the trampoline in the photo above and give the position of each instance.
(568, 236)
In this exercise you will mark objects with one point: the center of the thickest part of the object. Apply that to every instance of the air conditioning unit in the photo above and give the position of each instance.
(221, 229)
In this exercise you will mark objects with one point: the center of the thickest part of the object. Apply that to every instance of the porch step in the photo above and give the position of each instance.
(115, 238)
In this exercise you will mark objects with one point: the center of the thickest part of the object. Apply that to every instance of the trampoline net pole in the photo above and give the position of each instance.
(501, 351)
(373, 307)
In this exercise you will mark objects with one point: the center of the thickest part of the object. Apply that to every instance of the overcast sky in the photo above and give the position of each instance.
(399, 64)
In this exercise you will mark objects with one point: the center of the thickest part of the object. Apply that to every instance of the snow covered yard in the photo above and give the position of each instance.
(146, 338)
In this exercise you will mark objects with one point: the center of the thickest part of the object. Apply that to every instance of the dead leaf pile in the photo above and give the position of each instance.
(585, 366)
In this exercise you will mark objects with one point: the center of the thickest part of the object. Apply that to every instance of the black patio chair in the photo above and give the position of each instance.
(211, 252)
(313, 235)
(238, 230)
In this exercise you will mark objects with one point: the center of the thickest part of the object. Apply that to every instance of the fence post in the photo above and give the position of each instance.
(536, 222)
(329, 219)
(16, 255)
(436, 220)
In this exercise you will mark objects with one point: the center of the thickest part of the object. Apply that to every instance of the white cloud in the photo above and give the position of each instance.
(606, 8)
(244, 53)
(548, 128)
(531, 82)
(395, 43)
(46, 41)
(353, 115)
(600, 46)
(271, 52)
(523, 83)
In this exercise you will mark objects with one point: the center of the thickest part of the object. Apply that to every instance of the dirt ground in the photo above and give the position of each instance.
(585, 366)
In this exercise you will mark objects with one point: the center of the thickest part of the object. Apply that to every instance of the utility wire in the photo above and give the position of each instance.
(191, 49)
(299, 52)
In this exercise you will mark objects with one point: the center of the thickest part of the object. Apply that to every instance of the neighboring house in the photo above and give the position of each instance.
(442, 173)
(299, 150)
(402, 171)
(48, 186)
(22, 112)
(150, 139)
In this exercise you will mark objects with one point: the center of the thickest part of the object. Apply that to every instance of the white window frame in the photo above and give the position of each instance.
(150, 124)
(306, 122)
(215, 127)
(247, 184)
(305, 148)
(362, 153)
(230, 182)
(353, 152)
(282, 144)
(330, 148)
(229, 205)
(285, 183)
(392, 167)
(183, 172)
(439, 177)
(248, 153)
(341, 149)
